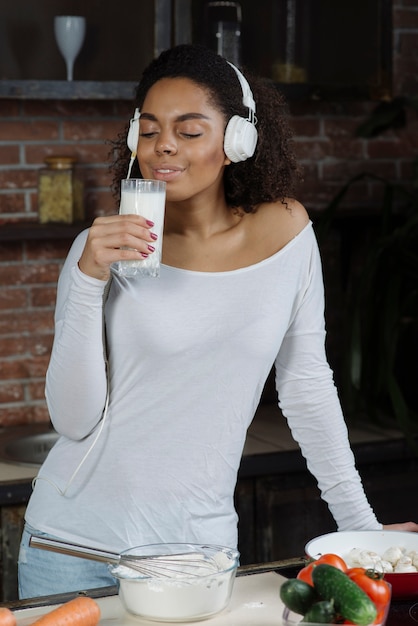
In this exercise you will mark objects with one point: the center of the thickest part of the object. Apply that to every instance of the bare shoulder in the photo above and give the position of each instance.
(288, 214)
(274, 224)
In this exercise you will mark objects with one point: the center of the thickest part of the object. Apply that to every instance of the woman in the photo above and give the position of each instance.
(240, 290)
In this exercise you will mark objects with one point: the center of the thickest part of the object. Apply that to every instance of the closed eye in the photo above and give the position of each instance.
(186, 135)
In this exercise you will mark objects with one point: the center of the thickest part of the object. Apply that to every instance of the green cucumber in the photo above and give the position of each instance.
(297, 595)
(320, 613)
(350, 601)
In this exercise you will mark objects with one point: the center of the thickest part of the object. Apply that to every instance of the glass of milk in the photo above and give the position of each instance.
(144, 197)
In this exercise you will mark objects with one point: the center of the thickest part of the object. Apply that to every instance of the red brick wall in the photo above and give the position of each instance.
(31, 130)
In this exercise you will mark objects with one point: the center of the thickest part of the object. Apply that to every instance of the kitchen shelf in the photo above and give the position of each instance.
(67, 90)
(25, 231)
(112, 90)
(125, 90)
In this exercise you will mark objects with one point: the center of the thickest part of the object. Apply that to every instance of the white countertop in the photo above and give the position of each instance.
(255, 600)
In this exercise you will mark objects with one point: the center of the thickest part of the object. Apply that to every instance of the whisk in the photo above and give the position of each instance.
(179, 564)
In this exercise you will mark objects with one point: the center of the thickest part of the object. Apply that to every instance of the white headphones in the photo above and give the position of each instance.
(240, 134)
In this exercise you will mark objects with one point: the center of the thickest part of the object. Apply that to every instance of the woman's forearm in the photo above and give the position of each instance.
(76, 382)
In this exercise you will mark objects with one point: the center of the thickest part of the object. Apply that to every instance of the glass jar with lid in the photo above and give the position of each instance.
(60, 191)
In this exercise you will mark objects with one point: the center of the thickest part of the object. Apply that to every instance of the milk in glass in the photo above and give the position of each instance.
(147, 198)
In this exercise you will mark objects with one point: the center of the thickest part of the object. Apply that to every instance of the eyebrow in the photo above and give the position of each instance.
(180, 118)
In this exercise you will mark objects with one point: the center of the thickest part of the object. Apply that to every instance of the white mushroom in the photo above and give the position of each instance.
(384, 566)
(393, 554)
(353, 556)
(394, 559)
(368, 558)
(404, 565)
(413, 555)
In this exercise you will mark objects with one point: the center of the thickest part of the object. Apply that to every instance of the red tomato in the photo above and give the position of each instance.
(333, 559)
(351, 571)
(373, 584)
(305, 574)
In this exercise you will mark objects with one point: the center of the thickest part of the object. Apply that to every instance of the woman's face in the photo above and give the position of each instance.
(181, 139)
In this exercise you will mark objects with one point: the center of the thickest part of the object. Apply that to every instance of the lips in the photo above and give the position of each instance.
(168, 168)
(167, 172)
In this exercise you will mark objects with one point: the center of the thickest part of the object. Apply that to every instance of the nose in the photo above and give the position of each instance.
(166, 144)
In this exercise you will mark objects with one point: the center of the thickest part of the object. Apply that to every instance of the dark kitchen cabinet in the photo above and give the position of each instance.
(314, 48)
(280, 508)
(11, 526)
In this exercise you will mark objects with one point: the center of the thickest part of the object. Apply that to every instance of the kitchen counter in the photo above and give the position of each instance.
(11, 472)
(255, 600)
(270, 433)
(271, 449)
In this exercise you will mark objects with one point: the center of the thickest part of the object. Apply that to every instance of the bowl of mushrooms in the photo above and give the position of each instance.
(393, 553)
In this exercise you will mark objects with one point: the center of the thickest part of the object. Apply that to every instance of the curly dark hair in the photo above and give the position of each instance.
(272, 173)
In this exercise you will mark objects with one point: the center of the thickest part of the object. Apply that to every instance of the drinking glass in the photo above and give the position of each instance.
(69, 34)
(145, 197)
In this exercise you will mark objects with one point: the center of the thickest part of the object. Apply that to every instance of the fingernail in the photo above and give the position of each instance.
(150, 223)
(151, 248)
(144, 254)
(154, 236)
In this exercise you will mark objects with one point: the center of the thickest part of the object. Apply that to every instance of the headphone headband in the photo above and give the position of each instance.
(247, 94)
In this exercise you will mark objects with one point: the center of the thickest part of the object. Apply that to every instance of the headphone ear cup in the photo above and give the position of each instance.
(133, 135)
(240, 139)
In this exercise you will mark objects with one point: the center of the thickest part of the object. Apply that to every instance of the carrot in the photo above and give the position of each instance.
(80, 611)
(7, 618)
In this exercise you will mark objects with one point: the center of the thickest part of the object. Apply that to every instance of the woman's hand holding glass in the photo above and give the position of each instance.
(115, 238)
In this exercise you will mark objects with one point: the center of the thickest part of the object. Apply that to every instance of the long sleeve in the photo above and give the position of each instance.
(309, 400)
(76, 382)
(186, 374)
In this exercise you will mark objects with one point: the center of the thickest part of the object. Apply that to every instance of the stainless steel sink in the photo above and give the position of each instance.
(26, 445)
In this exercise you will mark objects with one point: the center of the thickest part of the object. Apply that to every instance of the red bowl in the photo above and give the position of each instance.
(404, 585)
